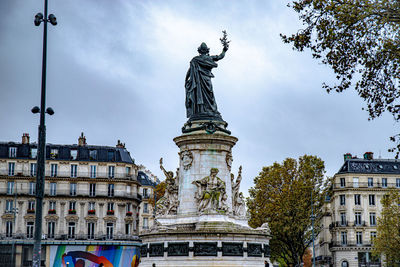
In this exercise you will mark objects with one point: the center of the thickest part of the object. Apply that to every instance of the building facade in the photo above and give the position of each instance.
(146, 211)
(91, 198)
(353, 209)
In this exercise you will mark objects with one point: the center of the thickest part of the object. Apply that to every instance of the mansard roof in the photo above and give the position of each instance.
(371, 166)
(145, 180)
(84, 153)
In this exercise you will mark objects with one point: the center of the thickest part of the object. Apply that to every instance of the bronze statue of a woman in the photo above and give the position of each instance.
(200, 100)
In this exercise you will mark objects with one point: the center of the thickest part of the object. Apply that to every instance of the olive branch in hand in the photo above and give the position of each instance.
(224, 40)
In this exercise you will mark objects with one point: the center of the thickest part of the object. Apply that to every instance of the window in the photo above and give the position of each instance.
(373, 236)
(33, 169)
(92, 190)
(128, 228)
(371, 200)
(110, 206)
(145, 208)
(370, 182)
(12, 152)
(398, 182)
(32, 188)
(110, 230)
(128, 171)
(345, 264)
(93, 154)
(11, 168)
(9, 228)
(342, 199)
(342, 182)
(51, 229)
(31, 205)
(53, 189)
(111, 170)
(355, 182)
(145, 223)
(146, 194)
(359, 238)
(29, 229)
(110, 190)
(54, 153)
(128, 207)
(92, 206)
(33, 153)
(372, 218)
(71, 230)
(357, 199)
(90, 230)
(357, 220)
(74, 170)
(384, 182)
(343, 238)
(52, 205)
(72, 205)
(10, 188)
(9, 205)
(110, 155)
(72, 189)
(53, 169)
(74, 154)
(343, 218)
(92, 171)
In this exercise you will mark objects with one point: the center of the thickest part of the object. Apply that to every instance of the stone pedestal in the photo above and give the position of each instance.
(192, 236)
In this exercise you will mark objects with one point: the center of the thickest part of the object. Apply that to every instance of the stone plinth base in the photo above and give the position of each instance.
(187, 247)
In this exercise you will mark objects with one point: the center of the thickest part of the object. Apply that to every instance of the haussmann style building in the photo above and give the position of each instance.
(91, 202)
(351, 213)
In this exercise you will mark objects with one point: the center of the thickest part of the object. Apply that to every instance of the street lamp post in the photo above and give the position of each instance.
(39, 18)
(312, 225)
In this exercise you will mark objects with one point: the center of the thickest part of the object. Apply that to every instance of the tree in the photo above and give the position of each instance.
(360, 41)
(281, 197)
(387, 241)
(159, 192)
(307, 258)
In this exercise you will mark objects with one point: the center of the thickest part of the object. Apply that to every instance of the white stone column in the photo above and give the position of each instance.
(207, 151)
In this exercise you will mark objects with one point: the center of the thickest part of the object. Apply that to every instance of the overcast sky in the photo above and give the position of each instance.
(116, 70)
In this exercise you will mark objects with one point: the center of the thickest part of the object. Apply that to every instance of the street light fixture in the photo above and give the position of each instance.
(39, 18)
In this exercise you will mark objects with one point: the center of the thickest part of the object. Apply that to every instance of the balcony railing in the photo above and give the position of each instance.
(349, 244)
(146, 197)
(76, 237)
(77, 193)
(347, 223)
(67, 174)
(364, 185)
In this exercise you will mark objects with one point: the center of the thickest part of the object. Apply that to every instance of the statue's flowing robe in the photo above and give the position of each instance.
(199, 90)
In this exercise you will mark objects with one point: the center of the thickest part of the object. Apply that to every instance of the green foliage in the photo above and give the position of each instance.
(360, 41)
(387, 241)
(281, 197)
(159, 191)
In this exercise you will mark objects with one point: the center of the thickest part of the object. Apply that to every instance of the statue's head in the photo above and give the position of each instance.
(203, 49)
(213, 171)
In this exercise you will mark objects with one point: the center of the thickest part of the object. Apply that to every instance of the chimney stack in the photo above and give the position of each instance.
(82, 140)
(25, 138)
(120, 145)
(369, 155)
(347, 156)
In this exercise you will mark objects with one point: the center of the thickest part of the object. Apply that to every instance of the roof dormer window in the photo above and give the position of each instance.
(12, 152)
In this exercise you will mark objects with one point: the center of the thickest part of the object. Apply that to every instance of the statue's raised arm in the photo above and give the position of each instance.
(225, 45)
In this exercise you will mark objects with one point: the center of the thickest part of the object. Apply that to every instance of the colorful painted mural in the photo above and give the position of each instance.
(94, 256)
